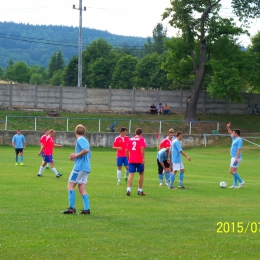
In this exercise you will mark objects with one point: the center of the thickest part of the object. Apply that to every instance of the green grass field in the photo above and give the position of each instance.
(165, 224)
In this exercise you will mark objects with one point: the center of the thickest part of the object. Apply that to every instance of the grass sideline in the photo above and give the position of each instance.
(247, 123)
(165, 224)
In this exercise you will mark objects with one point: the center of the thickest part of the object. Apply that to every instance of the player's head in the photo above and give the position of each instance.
(47, 131)
(52, 132)
(18, 131)
(80, 130)
(236, 132)
(171, 132)
(167, 150)
(179, 135)
(123, 131)
(138, 131)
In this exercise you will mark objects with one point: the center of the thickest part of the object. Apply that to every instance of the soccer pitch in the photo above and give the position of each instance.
(201, 222)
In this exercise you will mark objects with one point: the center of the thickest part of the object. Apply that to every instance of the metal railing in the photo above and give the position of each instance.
(101, 124)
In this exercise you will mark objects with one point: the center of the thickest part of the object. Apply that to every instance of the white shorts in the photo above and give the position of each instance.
(79, 177)
(232, 163)
(177, 166)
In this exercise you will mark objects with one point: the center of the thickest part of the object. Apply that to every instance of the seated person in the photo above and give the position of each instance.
(166, 109)
(153, 109)
(159, 109)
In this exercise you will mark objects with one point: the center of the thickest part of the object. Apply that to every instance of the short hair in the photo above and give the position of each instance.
(237, 131)
(123, 129)
(80, 130)
(138, 131)
(167, 150)
(18, 129)
(178, 133)
(52, 131)
(171, 130)
(46, 130)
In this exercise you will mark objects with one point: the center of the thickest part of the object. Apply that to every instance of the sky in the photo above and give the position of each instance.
(122, 17)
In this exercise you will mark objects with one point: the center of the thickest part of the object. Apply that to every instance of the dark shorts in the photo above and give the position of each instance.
(121, 160)
(18, 150)
(136, 167)
(160, 168)
(48, 158)
(42, 153)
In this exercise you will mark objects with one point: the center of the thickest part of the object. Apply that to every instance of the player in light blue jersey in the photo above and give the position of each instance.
(175, 156)
(236, 156)
(19, 144)
(80, 172)
(163, 164)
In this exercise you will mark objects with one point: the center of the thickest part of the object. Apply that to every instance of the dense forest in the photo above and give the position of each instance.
(35, 44)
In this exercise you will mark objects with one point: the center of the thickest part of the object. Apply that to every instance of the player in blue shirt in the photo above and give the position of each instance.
(80, 172)
(19, 144)
(236, 156)
(163, 164)
(175, 156)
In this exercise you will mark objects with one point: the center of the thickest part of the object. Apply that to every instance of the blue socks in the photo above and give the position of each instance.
(236, 175)
(21, 158)
(160, 176)
(172, 178)
(181, 178)
(167, 174)
(72, 198)
(85, 201)
(16, 159)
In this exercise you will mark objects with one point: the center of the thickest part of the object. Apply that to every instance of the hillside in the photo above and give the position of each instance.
(35, 44)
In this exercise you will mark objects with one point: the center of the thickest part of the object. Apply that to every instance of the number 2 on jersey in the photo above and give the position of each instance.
(134, 146)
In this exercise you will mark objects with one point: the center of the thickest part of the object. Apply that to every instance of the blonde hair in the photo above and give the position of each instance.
(80, 130)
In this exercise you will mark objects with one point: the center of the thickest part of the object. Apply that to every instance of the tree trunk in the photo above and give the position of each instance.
(192, 100)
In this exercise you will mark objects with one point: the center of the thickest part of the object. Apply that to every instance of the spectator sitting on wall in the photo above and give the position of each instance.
(153, 109)
(166, 109)
(159, 109)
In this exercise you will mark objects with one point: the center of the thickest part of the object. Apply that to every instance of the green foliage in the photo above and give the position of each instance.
(20, 72)
(123, 75)
(56, 63)
(70, 77)
(149, 73)
(1, 73)
(56, 79)
(35, 44)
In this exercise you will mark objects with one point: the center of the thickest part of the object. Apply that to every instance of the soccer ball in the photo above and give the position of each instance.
(223, 184)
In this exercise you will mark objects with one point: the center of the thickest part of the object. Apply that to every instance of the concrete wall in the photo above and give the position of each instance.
(42, 97)
(116, 100)
(103, 139)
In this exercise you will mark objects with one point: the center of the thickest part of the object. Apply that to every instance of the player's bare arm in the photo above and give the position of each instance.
(228, 128)
(117, 148)
(184, 154)
(142, 151)
(58, 145)
(73, 156)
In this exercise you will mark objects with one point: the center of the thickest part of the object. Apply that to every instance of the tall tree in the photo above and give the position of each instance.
(199, 33)
(56, 63)
(123, 75)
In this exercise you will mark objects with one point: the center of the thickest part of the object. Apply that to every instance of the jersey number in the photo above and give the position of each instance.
(134, 146)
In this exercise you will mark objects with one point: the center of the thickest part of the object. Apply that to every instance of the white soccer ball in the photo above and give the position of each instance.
(223, 184)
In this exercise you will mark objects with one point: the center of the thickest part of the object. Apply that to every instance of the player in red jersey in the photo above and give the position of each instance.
(120, 144)
(135, 154)
(42, 142)
(166, 143)
(48, 152)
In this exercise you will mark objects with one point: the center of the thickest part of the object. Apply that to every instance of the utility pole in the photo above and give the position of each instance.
(80, 42)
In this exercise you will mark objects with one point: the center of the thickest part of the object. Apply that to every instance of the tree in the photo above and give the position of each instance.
(20, 72)
(157, 44)
(98, 62)
(123, 75)
(56, 80)
(1, 73)
(56, 63)
(201, 33)
(149, 73)
(70, 76)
